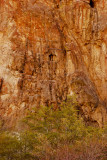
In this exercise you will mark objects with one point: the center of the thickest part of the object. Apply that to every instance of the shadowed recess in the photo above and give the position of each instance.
(92, 3)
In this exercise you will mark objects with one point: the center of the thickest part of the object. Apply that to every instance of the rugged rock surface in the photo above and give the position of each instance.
(49, 49)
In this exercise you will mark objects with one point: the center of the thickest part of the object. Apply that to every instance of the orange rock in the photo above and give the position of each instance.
(51, 49)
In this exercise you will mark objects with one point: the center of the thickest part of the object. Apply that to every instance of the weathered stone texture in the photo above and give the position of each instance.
(49, 49)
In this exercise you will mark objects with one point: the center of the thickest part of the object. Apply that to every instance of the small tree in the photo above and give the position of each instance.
(54, 134)
(54, 128)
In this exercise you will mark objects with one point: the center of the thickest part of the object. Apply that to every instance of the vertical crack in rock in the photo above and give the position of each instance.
(92, 3)
(1, 84)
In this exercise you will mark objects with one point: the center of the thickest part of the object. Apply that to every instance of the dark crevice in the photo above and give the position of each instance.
(51, 57)
(92, 3)
(1, 84)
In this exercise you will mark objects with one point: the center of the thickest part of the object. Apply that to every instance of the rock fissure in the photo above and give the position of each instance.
(92, 3)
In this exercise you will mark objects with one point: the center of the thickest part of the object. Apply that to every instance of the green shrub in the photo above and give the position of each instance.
(55, 128)
(54, 134)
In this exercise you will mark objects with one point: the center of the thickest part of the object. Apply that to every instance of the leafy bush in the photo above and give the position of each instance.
(8, 146)
(56, 128)
(54, 134)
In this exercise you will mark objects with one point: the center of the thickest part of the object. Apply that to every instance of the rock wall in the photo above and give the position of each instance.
(50, 49)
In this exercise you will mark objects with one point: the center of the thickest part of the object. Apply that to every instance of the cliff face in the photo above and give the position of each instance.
(50, 49)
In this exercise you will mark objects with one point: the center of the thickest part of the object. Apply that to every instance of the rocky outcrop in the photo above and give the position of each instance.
(49, 49)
